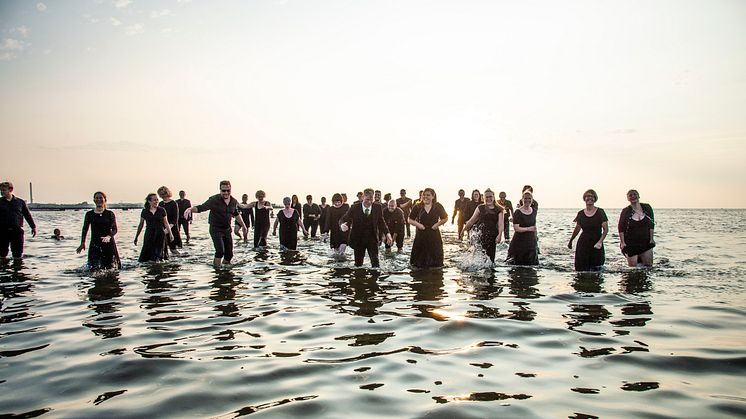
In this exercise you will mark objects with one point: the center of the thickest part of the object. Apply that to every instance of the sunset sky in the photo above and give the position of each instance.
(333, 96)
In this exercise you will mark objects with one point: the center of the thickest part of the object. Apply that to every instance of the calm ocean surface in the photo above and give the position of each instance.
(303, 335)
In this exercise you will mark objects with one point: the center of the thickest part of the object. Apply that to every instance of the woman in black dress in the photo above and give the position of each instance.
(469, 208)
(338, 239)
(172, 212)
(636, 225)
(262, 213)
(427, 216)
(523, 247)
(322, 219)
(296, 205)
(102, 250)
(154, 248)
(489, 220)
(589, 253)
(290, 222)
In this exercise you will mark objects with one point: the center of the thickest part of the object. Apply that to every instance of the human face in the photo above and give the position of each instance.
(245, 198)
(502, 196)
(377, 197)
(489, 198)
(588, 199)
(309, 200)
(7, 192)
(392, 205)
(368, 199)
(633, 196)
(153, 201)
(475, 196)
(527, 200)
(461, 193)
(427, 197)
(403, 193)
(286, 202)
(163, 196)
(337, 203)
(99, 200)
(225, 191)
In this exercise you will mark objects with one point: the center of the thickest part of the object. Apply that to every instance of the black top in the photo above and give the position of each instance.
(220, 213)
(183, 205)
(394, 219)
(592, 226)
(428, 219)
(104, 224)
(628, 212)
(172, 211)
(365, 229)
(13, 212)
(309, 210)
(402, 201)
(469, 209)
(247, 214)
(298, 207)
(460, 207)
(153, 221)
(508, 208)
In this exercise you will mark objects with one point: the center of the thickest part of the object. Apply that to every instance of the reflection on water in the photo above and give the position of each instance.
(303, 334)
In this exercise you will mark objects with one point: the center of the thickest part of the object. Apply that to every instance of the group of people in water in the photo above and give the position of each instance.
(363, 226)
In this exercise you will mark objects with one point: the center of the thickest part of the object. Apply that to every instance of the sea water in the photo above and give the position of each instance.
(304, 334)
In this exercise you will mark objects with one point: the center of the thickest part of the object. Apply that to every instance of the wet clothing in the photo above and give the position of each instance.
(336, 236)
(469, 209)
(12, 214)
(508, 213)
(261, 224)
(488, 228)
(172, 212)
(288, 230)
(460, 207)
(247, 215)
(636, 233)
(154, 247)
(220, 218)
(184, 222)
(311, 223)
(523, 248)
(365, 231)
(588, 258)
(322, 220)
(101, 255)
(395, 222)
(427, 249)
(407, 211)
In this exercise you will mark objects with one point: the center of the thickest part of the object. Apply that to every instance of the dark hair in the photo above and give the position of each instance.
(337, 197)
(432, 191)
(225, 183)
(528, 188)
(260, 193)
(293, 199)
(477, 191)
(309, 197)
(7, 184)
(147, 199)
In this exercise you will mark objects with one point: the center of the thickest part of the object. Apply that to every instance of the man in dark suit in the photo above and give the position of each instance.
(365, 220)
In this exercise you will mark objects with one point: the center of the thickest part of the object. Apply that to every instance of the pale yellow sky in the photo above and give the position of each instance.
(325, 96)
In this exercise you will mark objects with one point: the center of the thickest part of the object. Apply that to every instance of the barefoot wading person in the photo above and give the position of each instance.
(172, 212)
(184, 222)
(262, 214)
(394, 218)
(155, 220)
(489, 218)
(13, 211)
(636, 227)
(338, 239)
(365, 222)
(289, 220)
(589, 253)
(102, 250)
(427, 216)
(223, 207)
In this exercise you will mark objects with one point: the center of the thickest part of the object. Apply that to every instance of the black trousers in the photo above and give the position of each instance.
(12, 238)
(506, 228)
(311, 225)
(184, 224)
(223, 242)
(372, 248)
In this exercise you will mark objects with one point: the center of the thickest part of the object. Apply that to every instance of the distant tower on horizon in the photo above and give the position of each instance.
(31, 192)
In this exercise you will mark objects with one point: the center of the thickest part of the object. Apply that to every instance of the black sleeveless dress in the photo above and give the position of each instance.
(261, 225)
(288, 230)
(154, 247)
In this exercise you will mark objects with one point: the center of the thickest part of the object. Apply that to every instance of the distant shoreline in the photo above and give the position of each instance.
(133, 206)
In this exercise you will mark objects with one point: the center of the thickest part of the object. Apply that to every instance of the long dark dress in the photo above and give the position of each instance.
(288, 230)
(336, 236)
(636, 232)
(469, 209)
(322, 218)
(101, 255)
(588, 258)
(261, 225)
(488, 229)
(523, 247)
(427, 248)
(154, 247)
(172, 213)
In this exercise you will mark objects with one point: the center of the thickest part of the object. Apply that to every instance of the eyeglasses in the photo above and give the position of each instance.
(225, 190)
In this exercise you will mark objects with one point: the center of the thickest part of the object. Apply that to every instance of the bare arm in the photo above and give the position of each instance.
(86, 224)
(139, 229)
(604, 232)
(575, 234)
(472, 220)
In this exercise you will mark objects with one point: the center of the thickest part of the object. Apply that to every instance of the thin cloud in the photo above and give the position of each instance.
(41, 7)
(155, 14)
(121, 4)
(135, 29)
(23, 30)
(114, 21)
(10, 44)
